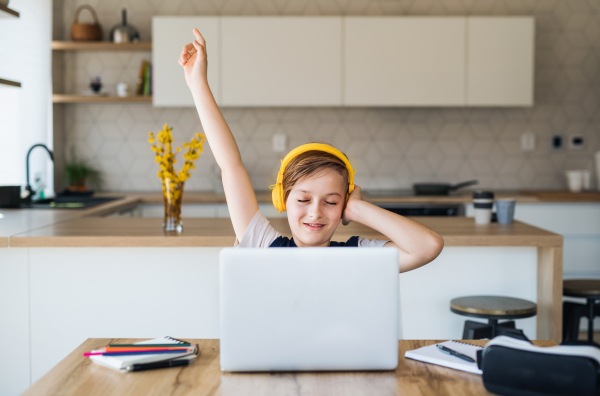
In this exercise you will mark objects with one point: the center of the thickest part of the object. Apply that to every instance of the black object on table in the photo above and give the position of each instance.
(573, 312)
(492, 308)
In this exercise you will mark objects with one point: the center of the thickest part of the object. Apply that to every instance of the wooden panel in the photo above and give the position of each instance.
(500, 65)
(122, 232)
(550, 286)
(413, 61)
(77, 375)
(65, 98)
(282, 61)
(99, 46)
(169, 35)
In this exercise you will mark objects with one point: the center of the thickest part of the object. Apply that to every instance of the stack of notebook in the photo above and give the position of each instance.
(121, 356)
(432, 354)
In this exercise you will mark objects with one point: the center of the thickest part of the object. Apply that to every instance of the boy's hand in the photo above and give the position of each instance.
(355, 197)
(194, 61)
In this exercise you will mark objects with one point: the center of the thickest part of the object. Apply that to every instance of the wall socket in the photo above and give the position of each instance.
(527, 142)
(576, 142)
(557, 142)
(279, 143)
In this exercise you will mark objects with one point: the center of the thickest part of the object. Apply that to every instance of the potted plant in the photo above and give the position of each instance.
(78, 172)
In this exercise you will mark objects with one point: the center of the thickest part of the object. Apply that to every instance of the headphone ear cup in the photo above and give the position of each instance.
(277, 197)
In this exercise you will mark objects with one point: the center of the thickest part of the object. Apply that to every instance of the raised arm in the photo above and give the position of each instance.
(417, 244)
(239, 193)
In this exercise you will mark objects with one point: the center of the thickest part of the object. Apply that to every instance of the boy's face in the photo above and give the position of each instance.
(314, 208)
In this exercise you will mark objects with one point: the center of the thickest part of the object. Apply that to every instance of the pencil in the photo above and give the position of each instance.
(184, 344)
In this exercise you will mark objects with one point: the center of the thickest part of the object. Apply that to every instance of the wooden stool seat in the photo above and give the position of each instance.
(573, 312)
(586, 288)
(493, 307)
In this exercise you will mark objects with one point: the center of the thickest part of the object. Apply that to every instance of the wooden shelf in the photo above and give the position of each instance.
(66, 98)
(6, 12)
(11, 83)
(99, 46)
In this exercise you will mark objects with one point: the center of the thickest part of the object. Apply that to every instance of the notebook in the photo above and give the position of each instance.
(431, 354)
(120, 362)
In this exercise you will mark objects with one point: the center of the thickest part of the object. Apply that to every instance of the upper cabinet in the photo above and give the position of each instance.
(281, 61)
(500, 66)
(404, 61)
(351, 61)
(169, 35)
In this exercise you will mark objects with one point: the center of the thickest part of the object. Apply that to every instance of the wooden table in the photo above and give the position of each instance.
(77, 375)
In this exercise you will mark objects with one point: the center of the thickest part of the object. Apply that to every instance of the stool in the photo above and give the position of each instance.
(573, 312)
(492, 308)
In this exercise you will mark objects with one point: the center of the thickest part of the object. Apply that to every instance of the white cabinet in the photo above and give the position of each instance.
(404, 61)
(281, 61)
(500, 66)
(578, 223)
(351, 61)
(169, 35)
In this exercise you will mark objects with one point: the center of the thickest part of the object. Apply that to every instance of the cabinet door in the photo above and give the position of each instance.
(395, 61)
(281, 61)
(169, 35)
(500, 66)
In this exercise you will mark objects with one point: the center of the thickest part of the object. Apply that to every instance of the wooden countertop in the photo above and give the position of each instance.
(19, 224)
(78, 375)
(463, 197)
(197, 232)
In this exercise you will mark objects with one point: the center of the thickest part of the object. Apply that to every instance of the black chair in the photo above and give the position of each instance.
(492, 308)
(573, 312)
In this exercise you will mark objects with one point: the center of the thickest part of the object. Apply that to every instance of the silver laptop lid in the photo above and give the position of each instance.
(308, 309)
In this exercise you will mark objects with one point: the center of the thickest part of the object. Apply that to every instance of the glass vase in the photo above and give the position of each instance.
(172, 194)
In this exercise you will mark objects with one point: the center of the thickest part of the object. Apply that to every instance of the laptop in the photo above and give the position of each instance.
(309, 309)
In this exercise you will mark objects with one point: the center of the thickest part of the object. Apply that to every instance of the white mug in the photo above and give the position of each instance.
(122, 89)
(575, 180)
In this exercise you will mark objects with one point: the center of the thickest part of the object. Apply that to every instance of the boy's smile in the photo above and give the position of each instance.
(314, 208)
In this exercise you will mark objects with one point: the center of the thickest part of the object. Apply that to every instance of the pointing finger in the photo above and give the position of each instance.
(199, 37)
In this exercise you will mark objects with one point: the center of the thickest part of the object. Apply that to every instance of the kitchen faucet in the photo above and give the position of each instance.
(28, 186)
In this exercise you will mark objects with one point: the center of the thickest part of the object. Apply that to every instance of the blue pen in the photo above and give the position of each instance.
(452, 352)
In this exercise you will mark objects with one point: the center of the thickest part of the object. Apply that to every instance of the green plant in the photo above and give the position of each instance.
(79, 170)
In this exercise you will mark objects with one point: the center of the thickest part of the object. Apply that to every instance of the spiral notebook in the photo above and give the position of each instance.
(431, 354)
(120, 362)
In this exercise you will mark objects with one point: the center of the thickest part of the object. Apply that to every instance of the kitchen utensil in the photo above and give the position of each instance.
(96, 85)
(123, 89)
(86, 31)
(440, 188)
(10, 196)
(482, 203)
(124, 33)
(505, 210)
(575, 179)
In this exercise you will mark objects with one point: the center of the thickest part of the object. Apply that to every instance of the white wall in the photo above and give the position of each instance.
(25, 114)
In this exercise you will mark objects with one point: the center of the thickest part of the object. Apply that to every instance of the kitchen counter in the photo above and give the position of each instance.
(27, 223)
(198, 232)
(53, 255)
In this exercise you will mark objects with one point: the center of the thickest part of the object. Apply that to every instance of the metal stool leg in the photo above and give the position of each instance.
(590, 303)
(476, 330)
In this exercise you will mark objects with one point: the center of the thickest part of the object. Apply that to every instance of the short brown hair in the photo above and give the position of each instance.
(311, 163)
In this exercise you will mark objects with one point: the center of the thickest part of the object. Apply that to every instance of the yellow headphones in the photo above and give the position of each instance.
(278, 198)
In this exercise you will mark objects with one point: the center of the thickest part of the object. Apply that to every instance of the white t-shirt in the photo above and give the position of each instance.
(260, 234)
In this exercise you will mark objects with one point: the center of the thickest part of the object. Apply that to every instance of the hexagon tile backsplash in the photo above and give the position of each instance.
(390, 147)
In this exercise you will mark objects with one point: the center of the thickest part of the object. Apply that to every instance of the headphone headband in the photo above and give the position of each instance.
(278, 199)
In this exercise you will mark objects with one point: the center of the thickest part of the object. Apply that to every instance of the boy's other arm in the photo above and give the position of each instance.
(417, 244)
(241, 200)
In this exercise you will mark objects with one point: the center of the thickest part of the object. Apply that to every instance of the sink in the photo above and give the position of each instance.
(67, 202)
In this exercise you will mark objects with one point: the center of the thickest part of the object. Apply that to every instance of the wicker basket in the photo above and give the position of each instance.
(86, 31)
